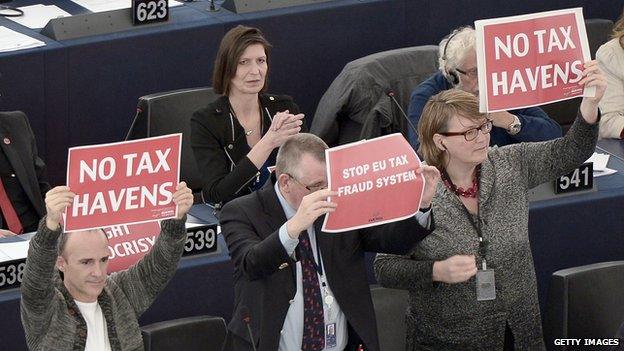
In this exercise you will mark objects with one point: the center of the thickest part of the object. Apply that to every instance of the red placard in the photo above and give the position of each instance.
(129, 243)
(123, 183)
(531, 60)
(376, 181)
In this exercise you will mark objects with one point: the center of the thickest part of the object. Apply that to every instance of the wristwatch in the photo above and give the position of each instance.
(515, 126)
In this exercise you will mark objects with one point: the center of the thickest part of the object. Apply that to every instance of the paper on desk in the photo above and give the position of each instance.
(11, 40)
(600, 164)
(37, 16)
(604, 172)
(600, 161)
(109, 5)
(15, 250)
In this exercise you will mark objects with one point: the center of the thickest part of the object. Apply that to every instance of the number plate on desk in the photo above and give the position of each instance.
(201, 239)
(11, 274)
(582, 178)
(149, 11)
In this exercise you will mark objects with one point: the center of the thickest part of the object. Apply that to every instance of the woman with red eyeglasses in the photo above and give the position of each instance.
(472, 282)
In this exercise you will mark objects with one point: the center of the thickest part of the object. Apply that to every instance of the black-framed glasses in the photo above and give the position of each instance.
(311, 188)
(472, 73)
(472, 133)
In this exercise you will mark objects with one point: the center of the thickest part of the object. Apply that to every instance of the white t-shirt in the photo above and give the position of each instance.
(97, 333)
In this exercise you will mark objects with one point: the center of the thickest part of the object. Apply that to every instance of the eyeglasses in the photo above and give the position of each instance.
(472, 73)
(310, 188)
(472, 133)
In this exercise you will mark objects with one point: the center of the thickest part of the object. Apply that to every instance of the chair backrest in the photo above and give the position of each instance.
(201, 333)
(360, 93)
(585, 302)
(390, 307)
(171, 112)
(564, 112)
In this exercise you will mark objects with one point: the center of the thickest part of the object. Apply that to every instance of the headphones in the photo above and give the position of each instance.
(452, 76)
(10, 11)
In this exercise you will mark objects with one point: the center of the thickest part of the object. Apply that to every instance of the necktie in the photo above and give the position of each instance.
(10, 216)
(313, 320)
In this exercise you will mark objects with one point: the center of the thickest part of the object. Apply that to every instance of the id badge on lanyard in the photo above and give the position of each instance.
(486, 284)
(485, 279)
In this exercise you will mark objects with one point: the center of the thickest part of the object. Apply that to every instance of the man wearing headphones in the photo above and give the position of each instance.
(458, 69)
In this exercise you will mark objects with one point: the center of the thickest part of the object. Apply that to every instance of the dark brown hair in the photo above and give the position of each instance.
(233, 44)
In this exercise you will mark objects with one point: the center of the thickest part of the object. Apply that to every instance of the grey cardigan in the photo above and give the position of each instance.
(448, 316)
(50, 317)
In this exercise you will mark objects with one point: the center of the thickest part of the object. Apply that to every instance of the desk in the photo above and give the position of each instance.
(579, 230)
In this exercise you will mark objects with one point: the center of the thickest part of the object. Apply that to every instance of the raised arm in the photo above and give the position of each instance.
(548, 160)
(37, 286)
(145, 280)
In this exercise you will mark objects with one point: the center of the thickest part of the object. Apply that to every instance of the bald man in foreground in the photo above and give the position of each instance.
(68, 300)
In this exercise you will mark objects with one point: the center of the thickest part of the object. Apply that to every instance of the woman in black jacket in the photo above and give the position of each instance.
(235, 138)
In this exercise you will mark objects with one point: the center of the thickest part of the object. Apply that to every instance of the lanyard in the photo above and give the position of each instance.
(483, 244)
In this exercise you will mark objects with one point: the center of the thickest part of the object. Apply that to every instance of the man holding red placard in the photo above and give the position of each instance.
(80, 307)
(297, 287)
(458, 70)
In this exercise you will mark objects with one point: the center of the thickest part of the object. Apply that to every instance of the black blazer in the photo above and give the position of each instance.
(264, 284)
(21, 151)
(221, 148)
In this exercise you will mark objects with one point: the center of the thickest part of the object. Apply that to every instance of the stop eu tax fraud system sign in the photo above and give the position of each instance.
(376, 182)
(123, 183)
(531, 60)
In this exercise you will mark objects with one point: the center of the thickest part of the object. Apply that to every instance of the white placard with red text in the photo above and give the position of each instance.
(531, 60)
(123, 183)
(376, 181)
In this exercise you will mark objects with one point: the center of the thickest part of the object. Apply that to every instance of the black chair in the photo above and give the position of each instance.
(171, 112)
(585, 302)
(564, 112)
(356, 105)
(390, 307)
(201, 333)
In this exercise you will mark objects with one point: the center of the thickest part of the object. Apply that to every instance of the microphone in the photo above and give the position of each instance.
(246, 318)
(212, 7)
(390, 94)
(139, 110)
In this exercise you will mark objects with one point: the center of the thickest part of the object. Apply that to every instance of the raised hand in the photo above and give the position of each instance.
(56, 200)
(432, 177)
(592, 77)
(183, 198)
(312, 207)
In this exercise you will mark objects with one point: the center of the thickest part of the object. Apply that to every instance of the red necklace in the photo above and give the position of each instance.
(472, 192)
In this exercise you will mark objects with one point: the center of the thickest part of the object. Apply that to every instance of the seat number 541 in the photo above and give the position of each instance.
(149, 11)
(579, 179)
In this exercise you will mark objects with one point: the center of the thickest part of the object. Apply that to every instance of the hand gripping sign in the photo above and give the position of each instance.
(531, 60)
(123, 183)
(376, 181)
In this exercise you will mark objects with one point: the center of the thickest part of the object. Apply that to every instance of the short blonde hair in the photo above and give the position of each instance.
(618, 29)
(290, 153)
(435, 119)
